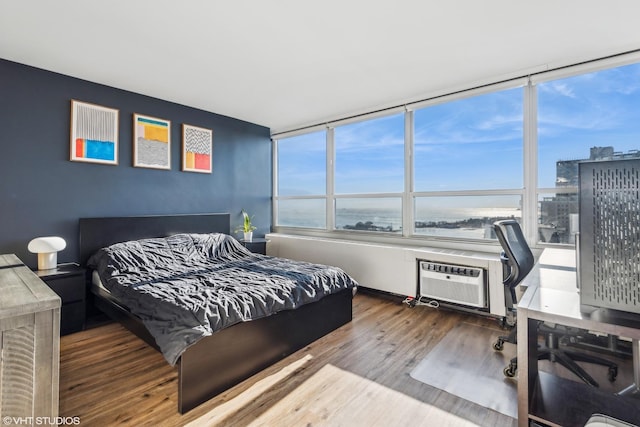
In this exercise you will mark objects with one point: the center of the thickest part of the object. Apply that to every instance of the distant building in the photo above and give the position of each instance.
(556, 211)
(555, 218)
(567, 170)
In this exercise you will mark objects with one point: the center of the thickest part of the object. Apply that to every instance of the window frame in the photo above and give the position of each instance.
(529, 193)
(534, 190)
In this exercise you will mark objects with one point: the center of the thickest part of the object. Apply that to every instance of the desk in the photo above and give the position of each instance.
(552, 296)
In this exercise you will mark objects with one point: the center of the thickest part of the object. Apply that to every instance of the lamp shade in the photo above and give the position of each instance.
(47, 249)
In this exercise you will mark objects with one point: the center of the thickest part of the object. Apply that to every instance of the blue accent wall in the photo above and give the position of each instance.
(43, 193)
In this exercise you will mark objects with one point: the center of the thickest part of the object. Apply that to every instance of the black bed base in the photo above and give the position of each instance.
(230, 356)
(96, 233)
(106, 304)
(247, 348)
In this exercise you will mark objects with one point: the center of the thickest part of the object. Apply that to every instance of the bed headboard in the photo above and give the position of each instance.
(96, 233)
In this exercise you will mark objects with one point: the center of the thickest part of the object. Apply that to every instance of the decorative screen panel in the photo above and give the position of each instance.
(610, 234)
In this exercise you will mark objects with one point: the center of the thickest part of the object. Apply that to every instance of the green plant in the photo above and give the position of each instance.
(246, 226)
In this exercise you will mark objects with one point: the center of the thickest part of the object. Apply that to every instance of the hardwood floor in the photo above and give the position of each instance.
(110, 377)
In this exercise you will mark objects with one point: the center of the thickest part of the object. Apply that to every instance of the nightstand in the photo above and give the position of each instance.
(69, 282)
(256, 245)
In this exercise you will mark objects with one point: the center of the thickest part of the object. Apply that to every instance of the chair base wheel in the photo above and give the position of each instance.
(498, 345)
(509, 371)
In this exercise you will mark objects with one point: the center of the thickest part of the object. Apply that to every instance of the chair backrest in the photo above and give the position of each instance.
(517, 255)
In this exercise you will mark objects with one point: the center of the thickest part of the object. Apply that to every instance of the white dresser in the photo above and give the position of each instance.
(30, 345)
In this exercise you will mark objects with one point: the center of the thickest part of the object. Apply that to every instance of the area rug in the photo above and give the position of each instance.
(464, 364)
(335, 397)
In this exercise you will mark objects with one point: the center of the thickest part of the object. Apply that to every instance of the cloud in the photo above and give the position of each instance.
(623, 80)
(378, 134)
(303, 144)
(596, 118)
(500, 121)
(479, 120)
(559, 88)
(358, 179)
(623, 87)
(498, 128)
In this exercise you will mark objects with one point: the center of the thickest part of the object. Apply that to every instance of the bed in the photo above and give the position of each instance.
(224, 358)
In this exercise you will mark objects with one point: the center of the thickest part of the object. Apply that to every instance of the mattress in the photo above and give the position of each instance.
(96, 282)
(189, 286)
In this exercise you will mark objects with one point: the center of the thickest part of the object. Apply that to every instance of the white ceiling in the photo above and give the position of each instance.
(287, 64)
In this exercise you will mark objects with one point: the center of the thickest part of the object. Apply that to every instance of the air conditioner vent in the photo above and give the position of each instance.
(453, 283)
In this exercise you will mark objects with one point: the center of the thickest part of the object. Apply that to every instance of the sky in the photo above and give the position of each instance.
(473, 143)
(596, 109)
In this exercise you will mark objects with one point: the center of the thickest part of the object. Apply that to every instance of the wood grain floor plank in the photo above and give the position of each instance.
(110, 377)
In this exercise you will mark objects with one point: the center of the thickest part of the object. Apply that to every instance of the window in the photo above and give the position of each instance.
(470, 161)
(586, 117)
(471, 148)
(470, 144)
(302, 167)
(369, 214)
(465, 217)
(370, 156)
(370, 165)
(305, 213)
(302, 181)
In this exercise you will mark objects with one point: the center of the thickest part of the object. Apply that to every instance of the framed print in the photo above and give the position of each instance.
(94, 133)
(197, 147)
(151, 142)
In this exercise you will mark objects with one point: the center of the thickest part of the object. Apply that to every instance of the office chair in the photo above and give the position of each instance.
(517, 261)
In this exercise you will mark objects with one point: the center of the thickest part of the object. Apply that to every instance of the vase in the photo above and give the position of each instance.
(248, 236)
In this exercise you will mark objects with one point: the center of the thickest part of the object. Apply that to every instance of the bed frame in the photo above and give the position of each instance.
(226, 358)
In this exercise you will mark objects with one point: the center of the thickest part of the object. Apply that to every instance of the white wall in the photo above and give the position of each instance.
(385, 267)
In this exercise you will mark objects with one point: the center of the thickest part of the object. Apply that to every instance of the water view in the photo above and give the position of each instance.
(452, 222)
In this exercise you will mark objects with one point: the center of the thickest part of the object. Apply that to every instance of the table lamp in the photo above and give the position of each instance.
(47, 249)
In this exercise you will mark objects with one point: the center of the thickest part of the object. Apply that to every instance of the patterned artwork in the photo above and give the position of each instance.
(94, 133)
(151, 142)
(197, 146)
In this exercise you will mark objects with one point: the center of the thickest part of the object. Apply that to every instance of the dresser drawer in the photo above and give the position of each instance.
(68, 281)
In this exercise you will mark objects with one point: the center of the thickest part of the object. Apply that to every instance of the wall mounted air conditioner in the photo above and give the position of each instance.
(457, 284)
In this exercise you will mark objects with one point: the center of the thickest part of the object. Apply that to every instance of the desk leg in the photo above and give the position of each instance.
(527, 364)
(633, 389)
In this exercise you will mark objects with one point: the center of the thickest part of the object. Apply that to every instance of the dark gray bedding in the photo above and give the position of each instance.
(188, 286)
